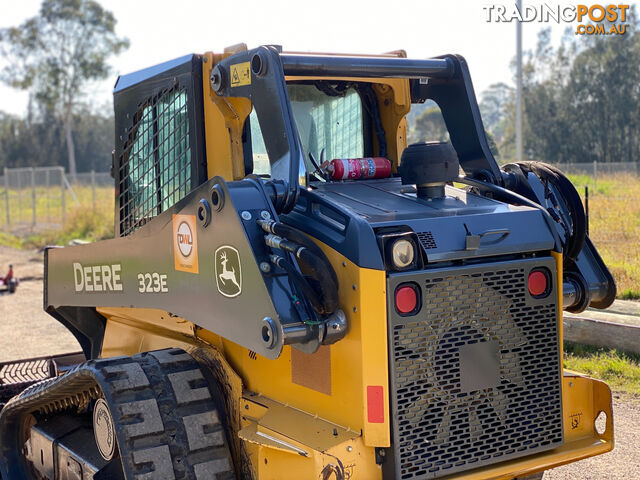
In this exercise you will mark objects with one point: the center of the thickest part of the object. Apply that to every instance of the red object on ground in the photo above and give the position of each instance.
(406, 299)
(359, 168)
(538, 283)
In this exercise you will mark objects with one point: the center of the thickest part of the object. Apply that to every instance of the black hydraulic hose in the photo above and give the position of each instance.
(319, 272)
(314, 262)
(301, 282)
(297, 236)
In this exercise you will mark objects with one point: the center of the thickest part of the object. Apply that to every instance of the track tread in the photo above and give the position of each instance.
(172, 401)
(167, 423)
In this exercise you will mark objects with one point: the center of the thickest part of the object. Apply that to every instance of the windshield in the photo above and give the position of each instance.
(330, 122)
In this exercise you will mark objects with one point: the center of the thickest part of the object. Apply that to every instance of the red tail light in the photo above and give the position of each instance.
(407, 299)
(538, 283)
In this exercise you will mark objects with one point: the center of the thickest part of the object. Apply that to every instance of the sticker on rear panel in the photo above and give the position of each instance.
(185, 243)
(240, 74)
(228, 271)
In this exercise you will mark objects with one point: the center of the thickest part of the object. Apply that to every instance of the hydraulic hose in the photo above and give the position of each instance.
(313, 261)
(306, 289)
(297, 236)
(321, 273)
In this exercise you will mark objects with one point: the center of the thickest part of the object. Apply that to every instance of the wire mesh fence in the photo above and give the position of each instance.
(598, 169)
(43, 196)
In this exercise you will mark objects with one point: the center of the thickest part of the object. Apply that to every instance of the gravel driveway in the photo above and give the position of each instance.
(26, 331)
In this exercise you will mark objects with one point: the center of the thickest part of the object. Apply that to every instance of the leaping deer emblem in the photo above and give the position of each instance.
(228, 275)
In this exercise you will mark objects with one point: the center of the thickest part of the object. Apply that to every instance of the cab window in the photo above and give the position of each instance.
(158, 161)
(330, 122)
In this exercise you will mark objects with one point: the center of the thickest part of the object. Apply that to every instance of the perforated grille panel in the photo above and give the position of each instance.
(155, 167)
(476, 373)
(427, 240)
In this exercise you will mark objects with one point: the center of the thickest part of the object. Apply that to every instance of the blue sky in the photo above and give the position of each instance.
(163, 29)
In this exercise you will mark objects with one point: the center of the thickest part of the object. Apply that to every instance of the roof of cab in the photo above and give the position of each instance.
(130, 79)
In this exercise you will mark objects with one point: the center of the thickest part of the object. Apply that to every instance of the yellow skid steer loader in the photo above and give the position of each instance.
(294, 292)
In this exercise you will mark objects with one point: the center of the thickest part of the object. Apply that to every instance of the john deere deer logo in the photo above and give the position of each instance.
(228, 271)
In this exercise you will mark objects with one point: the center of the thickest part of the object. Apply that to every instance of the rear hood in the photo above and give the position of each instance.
(346, 216)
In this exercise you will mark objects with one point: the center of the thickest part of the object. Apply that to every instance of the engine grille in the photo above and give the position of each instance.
(476, 373)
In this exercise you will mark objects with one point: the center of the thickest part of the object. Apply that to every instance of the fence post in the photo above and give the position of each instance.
(61, 170)
(46, 176)
(33, 195)
(6, 190)
(93, 188)
(19, 216)
(586, 206)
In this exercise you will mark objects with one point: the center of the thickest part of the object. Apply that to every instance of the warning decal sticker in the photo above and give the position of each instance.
(240, 74)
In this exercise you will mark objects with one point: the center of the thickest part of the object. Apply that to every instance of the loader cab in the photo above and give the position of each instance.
(281, 116)
(159, 154)
(173, 132)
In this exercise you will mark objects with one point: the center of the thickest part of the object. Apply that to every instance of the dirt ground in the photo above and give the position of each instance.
(26, 331)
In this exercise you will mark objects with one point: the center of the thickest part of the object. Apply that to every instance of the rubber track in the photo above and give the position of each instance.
(163, 406)
(16, 376)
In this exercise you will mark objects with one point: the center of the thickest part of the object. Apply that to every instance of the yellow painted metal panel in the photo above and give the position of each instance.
(132, 330)
(559, 272)
(352, 458)
(223, 122)
(358, 360)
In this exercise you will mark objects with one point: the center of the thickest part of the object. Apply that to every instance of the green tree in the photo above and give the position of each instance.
(493, 107)
(429, 125)
(581, 100)
(603, 95)
(57, 54)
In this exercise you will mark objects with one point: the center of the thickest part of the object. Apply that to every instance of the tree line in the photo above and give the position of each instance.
(38, 139)
(581, 101)
(57, 56)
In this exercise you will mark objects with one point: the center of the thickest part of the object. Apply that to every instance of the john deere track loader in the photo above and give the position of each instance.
(293, 292)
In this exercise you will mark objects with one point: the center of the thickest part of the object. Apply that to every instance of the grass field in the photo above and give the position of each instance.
(49, 205)
(80, 221)
(614, 220)
(620, 370)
